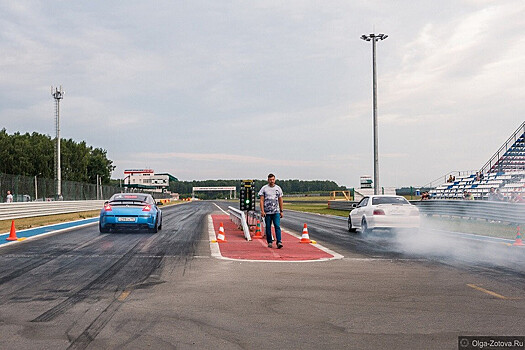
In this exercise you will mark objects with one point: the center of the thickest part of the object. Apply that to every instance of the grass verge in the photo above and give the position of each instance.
(315, 208)
(25, 223)
(309, 198)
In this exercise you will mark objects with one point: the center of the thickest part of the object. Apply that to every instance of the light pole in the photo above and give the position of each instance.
(375, 37)
(36, 186)
(58, 94)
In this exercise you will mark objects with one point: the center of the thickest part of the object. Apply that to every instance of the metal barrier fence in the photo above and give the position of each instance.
(238, 217)
(513, 213)
(340, 205)
(30, 188)
(11, 211)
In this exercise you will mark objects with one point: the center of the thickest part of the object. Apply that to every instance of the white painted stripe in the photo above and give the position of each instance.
(472, 236)
(214, 246)
(384, 259)
(317, 245)
(225, 212)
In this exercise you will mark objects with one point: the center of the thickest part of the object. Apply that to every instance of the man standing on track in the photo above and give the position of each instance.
(271, 201)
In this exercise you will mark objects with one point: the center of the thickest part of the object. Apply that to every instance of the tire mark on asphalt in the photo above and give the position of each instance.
(91, 332)
(83, 292)
(42, 261)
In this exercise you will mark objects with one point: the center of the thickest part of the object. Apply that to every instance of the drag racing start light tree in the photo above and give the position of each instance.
(242, 199)
(58, 94)
(375, 37)
(247, 196)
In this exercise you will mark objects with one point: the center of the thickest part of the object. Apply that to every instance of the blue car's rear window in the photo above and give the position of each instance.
(129, 198)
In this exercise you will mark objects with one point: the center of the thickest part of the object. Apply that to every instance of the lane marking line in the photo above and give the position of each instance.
(487, 291)
(124, 295)
(214, 245)
(225, 212)
(335, 255)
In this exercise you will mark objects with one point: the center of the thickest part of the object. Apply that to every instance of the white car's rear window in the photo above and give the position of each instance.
(389, 200)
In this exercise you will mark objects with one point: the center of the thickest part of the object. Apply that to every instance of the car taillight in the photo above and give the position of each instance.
(146, 208)
(378, 212)
(107, 207)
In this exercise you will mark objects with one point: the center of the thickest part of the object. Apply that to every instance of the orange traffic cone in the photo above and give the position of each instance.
(258, 233)
(221, 237)
(12, 233)
(518, 238)
(305, 238)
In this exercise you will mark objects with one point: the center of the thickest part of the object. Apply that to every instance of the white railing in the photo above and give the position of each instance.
(501, 151)
(238, 218)
(17, 210)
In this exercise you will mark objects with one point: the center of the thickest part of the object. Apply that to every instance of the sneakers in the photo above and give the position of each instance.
(279, 245)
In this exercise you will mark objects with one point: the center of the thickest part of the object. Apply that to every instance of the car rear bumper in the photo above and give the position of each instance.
(112, 221)
(390, 221)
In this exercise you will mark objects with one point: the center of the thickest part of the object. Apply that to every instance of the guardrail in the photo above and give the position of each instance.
(340, 205)
(238, 217)
(513, 213)
(17, 210)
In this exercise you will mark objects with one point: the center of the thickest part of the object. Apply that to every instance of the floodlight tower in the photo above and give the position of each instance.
(58, 94)
(375, 37)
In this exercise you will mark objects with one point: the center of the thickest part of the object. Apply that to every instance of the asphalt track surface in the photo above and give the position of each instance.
(83, 290)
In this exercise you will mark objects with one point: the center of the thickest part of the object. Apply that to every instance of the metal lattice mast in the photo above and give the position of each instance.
(58, 94)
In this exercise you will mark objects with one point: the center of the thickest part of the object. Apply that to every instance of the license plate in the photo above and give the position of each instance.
(126, 219)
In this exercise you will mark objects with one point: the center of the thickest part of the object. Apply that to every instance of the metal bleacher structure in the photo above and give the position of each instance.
(505, 171)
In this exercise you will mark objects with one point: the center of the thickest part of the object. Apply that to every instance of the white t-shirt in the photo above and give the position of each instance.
(9, 198)
(271, 198)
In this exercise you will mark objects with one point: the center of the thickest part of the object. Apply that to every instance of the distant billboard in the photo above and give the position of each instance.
(138, 171)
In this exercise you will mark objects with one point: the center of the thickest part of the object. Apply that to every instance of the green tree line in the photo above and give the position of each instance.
(33, 154)
(184, 188)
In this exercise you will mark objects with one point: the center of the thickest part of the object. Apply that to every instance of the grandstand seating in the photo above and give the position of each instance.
(504, 170)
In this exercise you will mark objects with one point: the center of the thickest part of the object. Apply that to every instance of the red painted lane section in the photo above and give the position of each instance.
(237, 247)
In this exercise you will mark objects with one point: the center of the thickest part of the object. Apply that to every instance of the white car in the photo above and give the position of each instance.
(383, 211)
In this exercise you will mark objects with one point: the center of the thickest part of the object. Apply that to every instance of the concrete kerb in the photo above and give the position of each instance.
(216, 252)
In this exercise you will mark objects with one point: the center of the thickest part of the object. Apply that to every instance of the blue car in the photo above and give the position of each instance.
(130, 211)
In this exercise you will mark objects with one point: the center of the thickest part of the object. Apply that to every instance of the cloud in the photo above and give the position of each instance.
(221, 157)
(266, 84)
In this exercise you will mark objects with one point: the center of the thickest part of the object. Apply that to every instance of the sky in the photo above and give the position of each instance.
(238, 89)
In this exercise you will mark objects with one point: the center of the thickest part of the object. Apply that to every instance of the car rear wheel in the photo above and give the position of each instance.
(102, 229)
(155, 228)
(350, 227)
(364, 227)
